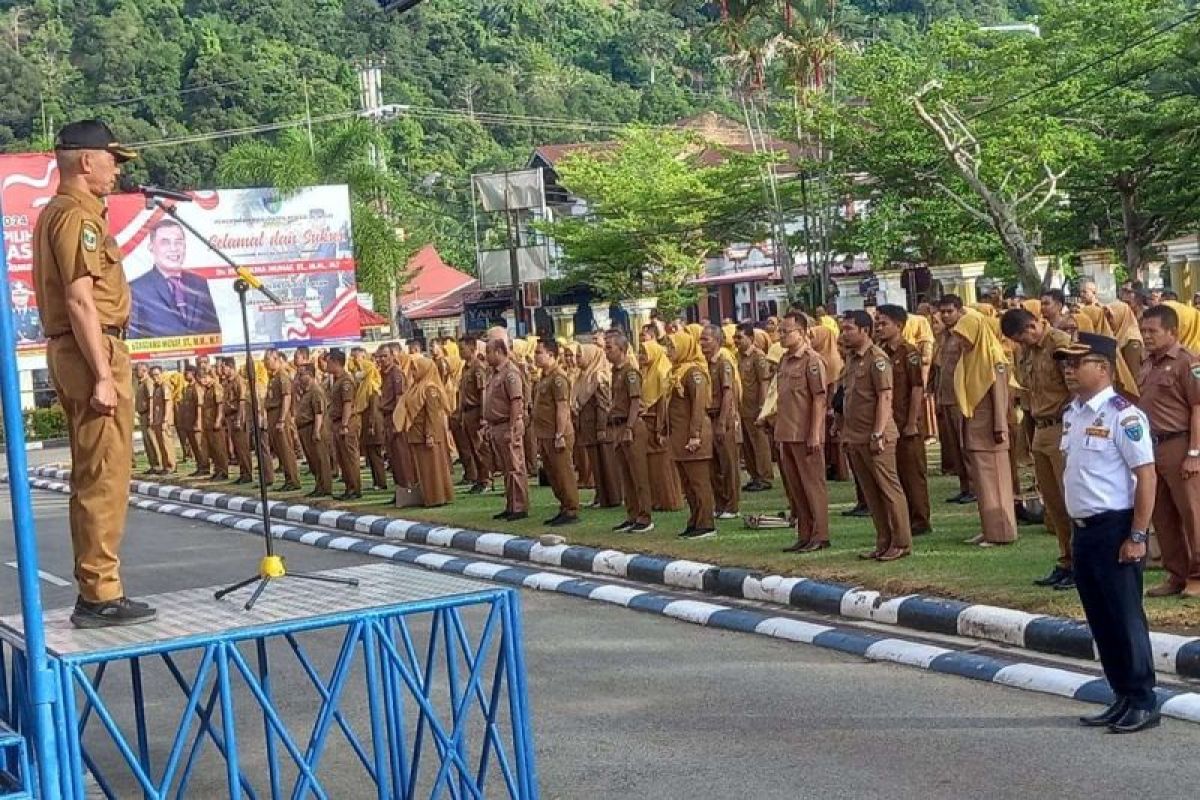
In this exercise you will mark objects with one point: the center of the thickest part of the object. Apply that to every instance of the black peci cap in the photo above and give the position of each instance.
(92, 134)
(1089, 344)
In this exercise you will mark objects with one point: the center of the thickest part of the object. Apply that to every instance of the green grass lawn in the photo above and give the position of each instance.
(941, 564)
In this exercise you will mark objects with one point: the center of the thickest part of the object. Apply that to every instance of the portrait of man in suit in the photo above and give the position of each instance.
(26, 321)
(168, 300)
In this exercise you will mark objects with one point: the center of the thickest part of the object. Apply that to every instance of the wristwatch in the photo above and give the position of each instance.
(875, 437)
(1139, 537)
(1193, 453)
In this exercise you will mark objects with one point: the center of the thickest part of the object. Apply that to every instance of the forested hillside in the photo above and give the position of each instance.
(486, 79)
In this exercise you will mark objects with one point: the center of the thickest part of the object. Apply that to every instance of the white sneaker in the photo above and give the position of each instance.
(727, 515)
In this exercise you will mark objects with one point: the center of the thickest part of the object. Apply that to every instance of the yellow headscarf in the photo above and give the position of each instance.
(1189, 326)
(592, 374)
(987, 309)
(685, 356)
(176, 383)
(771, 401)
(1123, 323)
(729, 331)
(976, 370)
(917, 331)
(762, 340)
(1033, 307)
(829, 323)
(1098, 320)
(656, 375)
(522, 351)
(1083, 323)
(425, 377)
(370, 383)
(825, 343)
(694, 330)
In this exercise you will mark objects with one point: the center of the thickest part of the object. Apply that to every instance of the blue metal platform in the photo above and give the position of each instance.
(425, 698)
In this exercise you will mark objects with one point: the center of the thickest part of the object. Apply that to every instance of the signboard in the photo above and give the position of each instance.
(183, 297)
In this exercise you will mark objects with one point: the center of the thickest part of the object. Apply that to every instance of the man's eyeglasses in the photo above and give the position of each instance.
(1075, 362)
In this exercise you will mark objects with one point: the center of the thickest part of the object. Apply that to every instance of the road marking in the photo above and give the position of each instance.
(46, 576)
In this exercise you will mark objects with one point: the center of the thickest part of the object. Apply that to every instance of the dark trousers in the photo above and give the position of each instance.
(1111, 593)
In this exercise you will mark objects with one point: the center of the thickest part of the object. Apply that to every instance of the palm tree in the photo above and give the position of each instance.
(353, 153)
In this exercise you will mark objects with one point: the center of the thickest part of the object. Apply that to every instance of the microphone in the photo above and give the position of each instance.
(169, 194)
(249, 277)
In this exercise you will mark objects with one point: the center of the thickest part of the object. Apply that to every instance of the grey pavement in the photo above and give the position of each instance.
(630, 705)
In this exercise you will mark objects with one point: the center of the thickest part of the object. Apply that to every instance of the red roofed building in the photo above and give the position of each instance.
(433, 299)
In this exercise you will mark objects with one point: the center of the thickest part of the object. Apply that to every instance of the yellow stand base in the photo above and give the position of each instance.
(271, 567)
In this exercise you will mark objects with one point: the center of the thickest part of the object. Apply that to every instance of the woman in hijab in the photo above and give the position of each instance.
(824, 342)
(579, 454)
(690, 431)
(981, 390)
(1189, 326)
(421, 417)
(522, 350)
(366, 402)
(1127, 333)
(655, 367)
(591, 401)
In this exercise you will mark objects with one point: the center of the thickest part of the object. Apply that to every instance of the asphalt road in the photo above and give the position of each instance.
(630, 705)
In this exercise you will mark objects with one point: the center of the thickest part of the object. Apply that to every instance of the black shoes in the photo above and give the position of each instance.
(513, 516)
(1136, 719)
(315, 493)
(757, 486)
(962, 499)
(623, 527)
(642, 527)
(1057, 574)
(349, 496)
(695, 534)
(1066, 584)
(478, 488)
(921, 531)
(113, 613)
(1107, 716)
(502, 515)
(857, 511)
(562, 519)
(290, 487)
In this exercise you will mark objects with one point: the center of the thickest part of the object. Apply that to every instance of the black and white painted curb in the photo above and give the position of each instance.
(1021, 675)
(1179, 655)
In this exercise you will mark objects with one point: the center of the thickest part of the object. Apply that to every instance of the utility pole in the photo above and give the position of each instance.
(513, 229)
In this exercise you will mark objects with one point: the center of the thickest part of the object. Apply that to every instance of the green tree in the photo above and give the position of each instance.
(657, 209)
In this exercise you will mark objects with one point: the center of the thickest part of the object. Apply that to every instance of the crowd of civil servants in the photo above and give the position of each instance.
(675, 418)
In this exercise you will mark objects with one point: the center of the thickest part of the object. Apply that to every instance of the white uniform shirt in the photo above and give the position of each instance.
(1103, 440)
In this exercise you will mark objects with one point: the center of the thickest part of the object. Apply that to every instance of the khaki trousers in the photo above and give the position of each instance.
(876, 474)
(559, 470)
(634, 467)
(808, 494)
(508, 451)
(1049, 465)
(347, 453)
(756, 451)
(317, 455)
(695, 477)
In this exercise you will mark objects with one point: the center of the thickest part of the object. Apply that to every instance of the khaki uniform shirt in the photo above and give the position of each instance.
(144, 399)
(279, 387)
(71, 241)
(505, 386)
(990, 417)
(310, 404)
(471, 386)
(189, 407)
(551, 390)
(1039, 374)
(626, 387)
(430, 421)
(237, 391)
(802, 378)
(1170, 387)
(950, 353)
(687, 417)
(342, 392)
(753, 368)
(162, 411)
(391, 392)
(906, 373)
(868, 374)
(210, 402)
(593, 416)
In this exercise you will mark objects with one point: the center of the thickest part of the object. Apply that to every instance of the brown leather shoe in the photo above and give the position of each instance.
(1165, 589)
(812, 547)
(871, 556)
(895, 554)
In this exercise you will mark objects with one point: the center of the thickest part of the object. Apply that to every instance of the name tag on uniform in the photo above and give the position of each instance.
(1099, 433)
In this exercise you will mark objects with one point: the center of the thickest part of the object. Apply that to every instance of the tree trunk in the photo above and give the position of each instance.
(1016, 246)
(1132, 226)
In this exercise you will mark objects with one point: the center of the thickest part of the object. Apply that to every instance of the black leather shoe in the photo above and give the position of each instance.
(967, 499)
(516, 515)
(502, 515)
(1066, 584)
(956, 499)
(857, 511)
(1136, 719)
(1056, 575)
(553, 520)
(1107, 716)
(112, 613)
(922, 531)
(563, 519)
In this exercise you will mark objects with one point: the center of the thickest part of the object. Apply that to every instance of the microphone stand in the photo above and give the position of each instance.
(271, 567)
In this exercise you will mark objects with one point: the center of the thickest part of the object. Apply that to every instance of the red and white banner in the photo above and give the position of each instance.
(183, 297)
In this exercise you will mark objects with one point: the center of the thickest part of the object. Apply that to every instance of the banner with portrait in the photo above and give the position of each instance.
(183, 294)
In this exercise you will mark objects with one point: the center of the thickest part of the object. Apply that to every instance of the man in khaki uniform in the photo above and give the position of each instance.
(311, 409)
(627, 430)
(399, 454)
(755, 372)
(83, 302)
(145, 411)
(908, 407)
(162, 422)
(236, 391)
(474, 452)
(871, 435)
(950, 309)
(554, 433)
(504, 420)
(212, 424)
(722, 410)
(189, 414)
(347, 425)
(800, 434)
(1169, 383)
(1047, 396)
(279, 419)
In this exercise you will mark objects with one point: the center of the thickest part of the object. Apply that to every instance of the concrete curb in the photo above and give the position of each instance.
(1179, 655)
(1020, 675)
